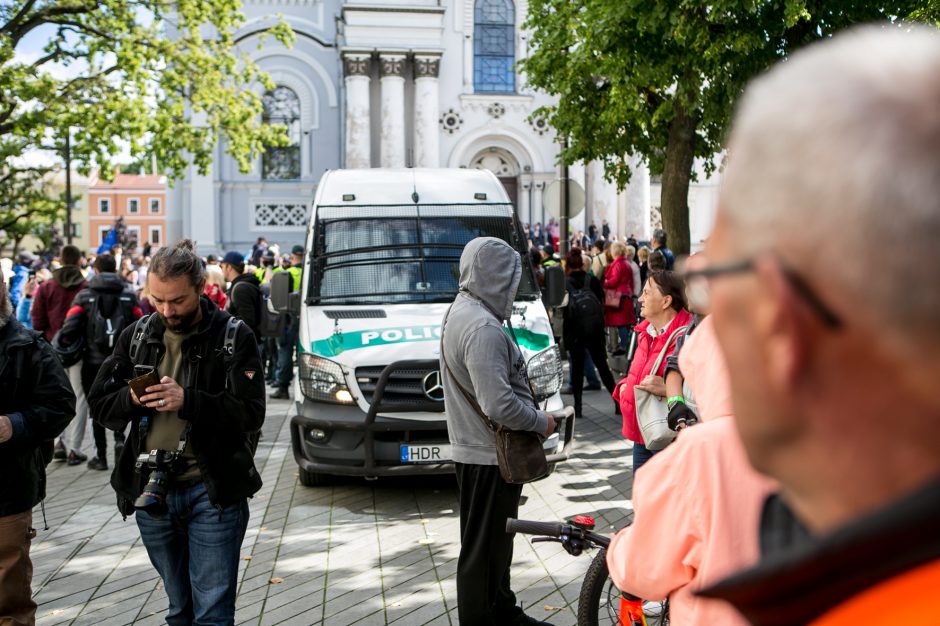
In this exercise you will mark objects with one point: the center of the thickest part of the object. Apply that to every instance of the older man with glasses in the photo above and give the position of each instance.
(835, 364)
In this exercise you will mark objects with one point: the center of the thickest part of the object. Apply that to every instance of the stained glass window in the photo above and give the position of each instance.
(282, 107)
(494, 46)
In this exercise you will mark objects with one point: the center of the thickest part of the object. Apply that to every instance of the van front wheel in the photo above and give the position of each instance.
(313, 479)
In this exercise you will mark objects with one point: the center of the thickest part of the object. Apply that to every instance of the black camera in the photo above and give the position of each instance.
(161, 463)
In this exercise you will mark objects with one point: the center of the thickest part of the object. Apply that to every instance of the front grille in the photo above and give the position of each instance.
(404, 390)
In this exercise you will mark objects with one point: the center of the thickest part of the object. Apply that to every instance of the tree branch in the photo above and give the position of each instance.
(27, 6)
(45, 16)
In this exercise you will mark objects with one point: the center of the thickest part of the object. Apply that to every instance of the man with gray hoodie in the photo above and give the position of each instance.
(479, 356)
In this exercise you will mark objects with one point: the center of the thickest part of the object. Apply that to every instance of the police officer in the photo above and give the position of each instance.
(288, 339)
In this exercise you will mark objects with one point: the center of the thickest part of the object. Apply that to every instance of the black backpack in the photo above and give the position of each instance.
(585, 310)
(108, 315)
(270, 323)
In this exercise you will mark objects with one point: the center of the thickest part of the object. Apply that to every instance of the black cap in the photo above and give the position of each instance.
(297, 250)
(548, 249)
(212, 259)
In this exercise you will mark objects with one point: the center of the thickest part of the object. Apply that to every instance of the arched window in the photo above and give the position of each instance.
(494, 51)
(282, 107)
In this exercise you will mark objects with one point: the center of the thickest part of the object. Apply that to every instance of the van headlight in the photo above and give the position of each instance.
(545, 373)
(322, 380)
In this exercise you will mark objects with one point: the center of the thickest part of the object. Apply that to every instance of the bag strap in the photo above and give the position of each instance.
(662, 354)
(466, 394)
(141, 330)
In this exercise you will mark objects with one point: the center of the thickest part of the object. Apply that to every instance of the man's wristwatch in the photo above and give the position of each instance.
(672, 401)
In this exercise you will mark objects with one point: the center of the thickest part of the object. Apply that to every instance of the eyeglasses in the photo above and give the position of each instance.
(698, 284)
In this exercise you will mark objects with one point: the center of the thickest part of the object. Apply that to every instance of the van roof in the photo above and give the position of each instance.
(396, 186)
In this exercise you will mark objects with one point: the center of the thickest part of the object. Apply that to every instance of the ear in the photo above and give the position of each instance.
(667, 302)
(788, 337)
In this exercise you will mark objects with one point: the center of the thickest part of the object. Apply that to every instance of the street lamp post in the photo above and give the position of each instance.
(68, 185)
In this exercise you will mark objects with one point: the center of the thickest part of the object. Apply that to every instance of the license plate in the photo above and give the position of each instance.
(425, 453)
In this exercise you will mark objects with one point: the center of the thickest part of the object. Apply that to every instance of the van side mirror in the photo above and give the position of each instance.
(554, 286)
(280, 291)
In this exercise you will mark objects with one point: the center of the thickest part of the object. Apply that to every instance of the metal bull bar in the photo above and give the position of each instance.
(369, 426)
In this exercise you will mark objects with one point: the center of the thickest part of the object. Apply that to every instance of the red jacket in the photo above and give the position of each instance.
(647, 350)
(53, 298)
(619, 277)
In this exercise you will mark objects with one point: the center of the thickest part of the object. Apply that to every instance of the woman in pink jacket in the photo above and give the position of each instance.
(662, 303)
(619, 277)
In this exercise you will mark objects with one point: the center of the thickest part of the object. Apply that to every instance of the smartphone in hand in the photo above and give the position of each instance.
(146, 376)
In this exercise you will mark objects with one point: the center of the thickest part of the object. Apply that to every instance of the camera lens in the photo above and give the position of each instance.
(153, 498)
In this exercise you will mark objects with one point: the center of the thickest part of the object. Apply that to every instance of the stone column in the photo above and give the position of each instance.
(427, 136)
(525, 207)
(636, 205)
(391, 70)
(357, 68)
(603, 199)
(202, 202)
(538, 211)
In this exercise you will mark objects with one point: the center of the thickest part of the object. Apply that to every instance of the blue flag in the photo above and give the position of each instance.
(110, 240)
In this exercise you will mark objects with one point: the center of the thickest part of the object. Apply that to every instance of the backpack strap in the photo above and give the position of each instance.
(141, 331)
(231, 332)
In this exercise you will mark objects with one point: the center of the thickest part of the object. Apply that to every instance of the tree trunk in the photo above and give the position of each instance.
(677, 171)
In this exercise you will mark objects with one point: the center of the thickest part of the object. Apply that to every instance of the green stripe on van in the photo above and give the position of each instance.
(341, 342)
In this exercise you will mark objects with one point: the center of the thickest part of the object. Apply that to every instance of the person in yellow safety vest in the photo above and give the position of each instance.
(287, 341)
(263, 273)
(295, 266)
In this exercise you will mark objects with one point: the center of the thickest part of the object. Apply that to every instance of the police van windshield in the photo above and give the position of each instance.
(369, 255)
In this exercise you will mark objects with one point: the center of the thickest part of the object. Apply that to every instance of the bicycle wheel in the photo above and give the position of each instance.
(599, 601)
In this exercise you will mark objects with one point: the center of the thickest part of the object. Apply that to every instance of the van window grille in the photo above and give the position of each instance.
(398, 254)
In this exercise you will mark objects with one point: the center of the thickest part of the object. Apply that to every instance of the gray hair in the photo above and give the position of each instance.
(835, 152)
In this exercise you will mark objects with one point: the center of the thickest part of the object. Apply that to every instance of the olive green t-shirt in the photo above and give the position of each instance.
(166, 427)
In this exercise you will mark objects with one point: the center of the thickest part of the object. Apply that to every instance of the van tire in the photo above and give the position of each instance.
(313, 479)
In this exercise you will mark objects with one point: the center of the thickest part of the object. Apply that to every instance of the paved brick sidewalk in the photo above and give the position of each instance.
(357, 552)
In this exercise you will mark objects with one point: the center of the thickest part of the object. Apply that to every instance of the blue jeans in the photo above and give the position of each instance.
(196, 552)
(641, 454)
(285, 354)
(624, 332)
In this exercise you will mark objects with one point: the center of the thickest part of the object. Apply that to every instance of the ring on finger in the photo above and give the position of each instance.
(162, 403)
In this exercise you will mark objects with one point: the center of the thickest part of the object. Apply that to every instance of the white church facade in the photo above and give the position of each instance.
(406, 83)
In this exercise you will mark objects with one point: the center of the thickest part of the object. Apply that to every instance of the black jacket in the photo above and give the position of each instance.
(39, 401)
(225, 401)
(104, 285)
(244, 301)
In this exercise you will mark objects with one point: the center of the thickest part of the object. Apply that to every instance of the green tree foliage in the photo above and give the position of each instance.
(27, 199)
(929, 13)
(660, 79)
(163, 75)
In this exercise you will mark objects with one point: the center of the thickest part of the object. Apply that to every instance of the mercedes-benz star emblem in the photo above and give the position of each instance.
(433, 389)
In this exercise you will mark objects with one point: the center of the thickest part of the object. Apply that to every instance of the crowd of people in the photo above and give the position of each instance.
(794, 479)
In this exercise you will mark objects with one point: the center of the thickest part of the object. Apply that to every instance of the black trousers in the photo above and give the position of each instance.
(484, 595)
(595, 347)
(89, 372)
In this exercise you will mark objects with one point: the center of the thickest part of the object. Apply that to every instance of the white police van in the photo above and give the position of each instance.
(381, 268)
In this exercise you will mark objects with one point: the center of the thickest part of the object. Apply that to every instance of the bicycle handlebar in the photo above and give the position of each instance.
(554, 529)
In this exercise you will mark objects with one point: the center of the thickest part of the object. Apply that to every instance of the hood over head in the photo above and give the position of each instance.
(490, 271)
(107, 282)
(68, 276)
